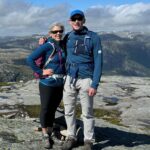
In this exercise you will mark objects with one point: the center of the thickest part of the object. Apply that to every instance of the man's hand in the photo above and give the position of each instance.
(48, 72)
(92, 91)
(42, 40)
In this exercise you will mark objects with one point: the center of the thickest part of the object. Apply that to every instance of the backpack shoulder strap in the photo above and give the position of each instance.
(65, 39)
(88, 41)
(68, 35)
(52, 44)
(51, 55)
(88, 35)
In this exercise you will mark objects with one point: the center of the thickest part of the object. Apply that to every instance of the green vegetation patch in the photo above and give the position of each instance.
(32, 110)
(5, 84)
(112, 116)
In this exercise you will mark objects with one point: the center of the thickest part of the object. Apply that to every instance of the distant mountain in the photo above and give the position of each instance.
(27, 42)
(126, 56)
(123, 54)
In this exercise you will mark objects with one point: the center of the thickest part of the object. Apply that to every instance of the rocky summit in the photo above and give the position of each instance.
(121, 108)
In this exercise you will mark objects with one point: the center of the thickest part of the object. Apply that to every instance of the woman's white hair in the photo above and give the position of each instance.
(58, 24)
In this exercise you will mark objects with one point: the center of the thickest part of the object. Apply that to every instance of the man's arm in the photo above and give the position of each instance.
(98, 60)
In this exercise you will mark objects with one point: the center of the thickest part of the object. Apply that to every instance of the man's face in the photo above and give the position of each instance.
(77, 22)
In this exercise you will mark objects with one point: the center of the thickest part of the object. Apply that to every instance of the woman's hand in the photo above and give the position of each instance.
(48, 72)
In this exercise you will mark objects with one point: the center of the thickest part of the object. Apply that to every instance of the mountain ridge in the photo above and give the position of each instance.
(124, 53)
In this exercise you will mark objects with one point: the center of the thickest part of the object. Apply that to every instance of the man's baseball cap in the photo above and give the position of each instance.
(77, 12)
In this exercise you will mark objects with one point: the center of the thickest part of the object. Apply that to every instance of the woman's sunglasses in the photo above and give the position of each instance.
(56, 31)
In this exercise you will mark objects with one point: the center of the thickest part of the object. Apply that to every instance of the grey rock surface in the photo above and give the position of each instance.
(130, 96)
(18, 134)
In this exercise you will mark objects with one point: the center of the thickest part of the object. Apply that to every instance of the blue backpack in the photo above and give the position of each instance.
(86, 42)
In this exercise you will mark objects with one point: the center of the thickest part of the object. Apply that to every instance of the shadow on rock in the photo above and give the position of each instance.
(113, 137)
(9, 137)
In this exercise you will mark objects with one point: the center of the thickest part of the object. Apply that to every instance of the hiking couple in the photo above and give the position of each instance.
(78, 57)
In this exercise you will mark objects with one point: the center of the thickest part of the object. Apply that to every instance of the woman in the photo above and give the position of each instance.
(51, 81)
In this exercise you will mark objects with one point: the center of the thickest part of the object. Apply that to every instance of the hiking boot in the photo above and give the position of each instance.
(69, 144)
(56, 140)
(46, 140)
(88, 145)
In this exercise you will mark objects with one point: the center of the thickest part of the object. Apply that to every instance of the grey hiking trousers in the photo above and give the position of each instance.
(70, 98)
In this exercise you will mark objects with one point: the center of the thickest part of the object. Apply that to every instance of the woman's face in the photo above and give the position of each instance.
(56, 33)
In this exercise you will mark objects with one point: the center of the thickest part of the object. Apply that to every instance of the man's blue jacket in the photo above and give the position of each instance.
(84, 55)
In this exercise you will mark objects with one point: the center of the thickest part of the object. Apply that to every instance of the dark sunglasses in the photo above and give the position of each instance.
(56, 31)
(76, 18)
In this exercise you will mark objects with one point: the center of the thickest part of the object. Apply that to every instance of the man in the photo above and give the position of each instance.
(84, 69)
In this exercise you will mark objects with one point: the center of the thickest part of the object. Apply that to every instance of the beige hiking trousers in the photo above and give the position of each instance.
(70, 98)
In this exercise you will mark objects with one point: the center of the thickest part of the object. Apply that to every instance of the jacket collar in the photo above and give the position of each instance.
(83, 31)
(53, 41)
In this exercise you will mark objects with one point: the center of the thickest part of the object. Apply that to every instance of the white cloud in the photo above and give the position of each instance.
(133, 17)
(19, 18)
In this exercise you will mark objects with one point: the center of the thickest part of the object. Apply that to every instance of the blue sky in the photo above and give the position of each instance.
(84, 4)
(26, 17)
